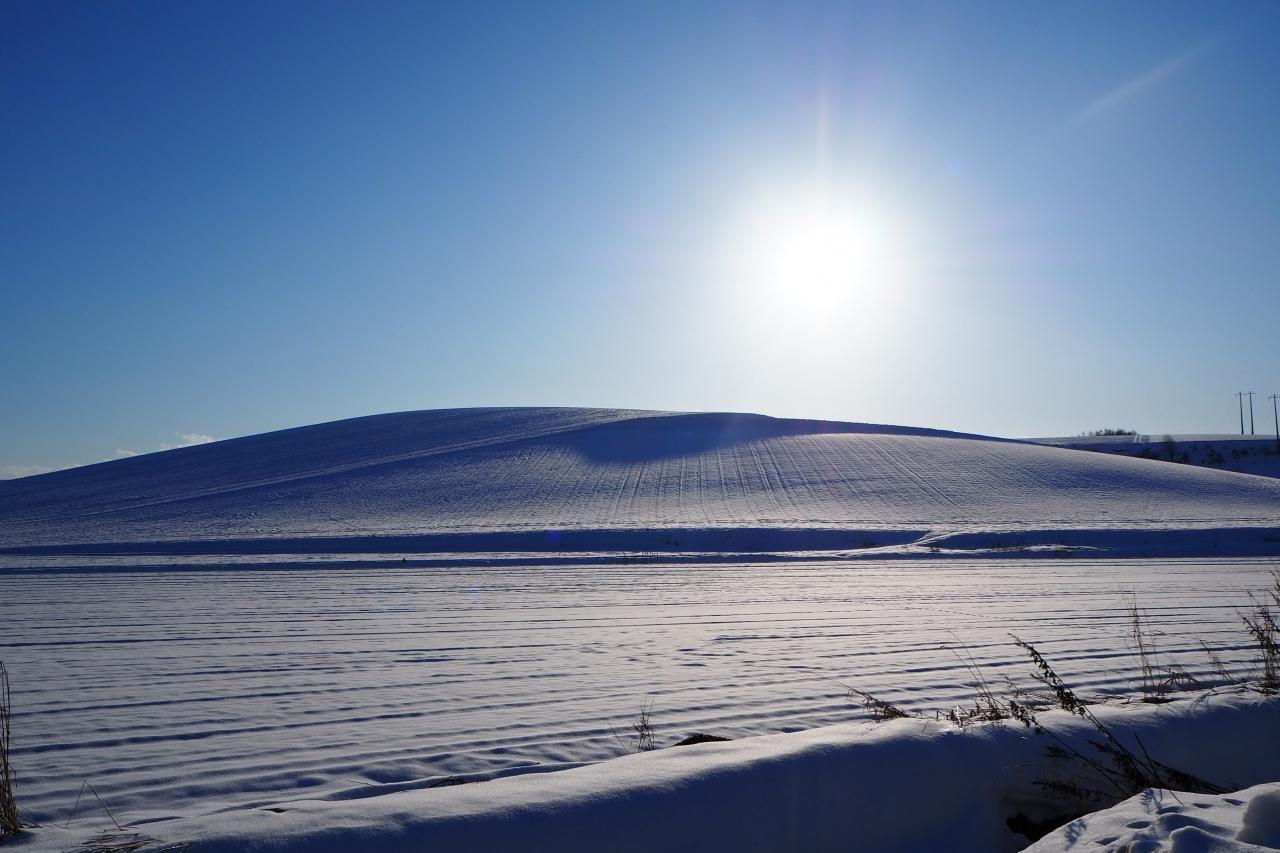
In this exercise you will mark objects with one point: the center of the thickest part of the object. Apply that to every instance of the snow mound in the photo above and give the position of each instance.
(473, 480)
(1242, 822)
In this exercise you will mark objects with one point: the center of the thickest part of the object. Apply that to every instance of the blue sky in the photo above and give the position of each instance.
(227, 218)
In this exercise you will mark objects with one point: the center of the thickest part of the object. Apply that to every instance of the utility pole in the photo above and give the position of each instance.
(1276, 414)
(1251, 432)
(1240, 400)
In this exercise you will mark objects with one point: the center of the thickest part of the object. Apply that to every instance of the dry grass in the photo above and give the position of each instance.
(1143, 648)
(1104, 769)
(642, 738)
(9, 823)
(1260, 622)
(1115, 770)
(642, 726)
(879, 708)
(1081, 774)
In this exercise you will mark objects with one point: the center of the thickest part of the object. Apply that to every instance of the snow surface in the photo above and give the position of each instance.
(186, 691)
(585, 479)
(1245, 454)
(349, 610)
(1239, 822)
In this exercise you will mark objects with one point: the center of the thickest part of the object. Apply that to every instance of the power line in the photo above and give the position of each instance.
(1251, 432)
(1240, 400)
(1276, 414)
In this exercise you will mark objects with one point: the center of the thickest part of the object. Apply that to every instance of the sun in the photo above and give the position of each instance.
(820, 269)
(818, 253)
(824, 253)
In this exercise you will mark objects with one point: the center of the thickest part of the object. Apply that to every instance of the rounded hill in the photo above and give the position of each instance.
(529, 478)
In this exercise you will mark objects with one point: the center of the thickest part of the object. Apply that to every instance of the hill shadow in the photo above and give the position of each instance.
(660, 437)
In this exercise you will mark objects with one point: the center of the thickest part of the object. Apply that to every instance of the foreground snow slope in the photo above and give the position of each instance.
(908, 785)
(1245, 821)
(528, 479)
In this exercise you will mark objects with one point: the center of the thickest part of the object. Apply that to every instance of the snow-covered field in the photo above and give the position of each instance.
(405, 602)
(182, 692)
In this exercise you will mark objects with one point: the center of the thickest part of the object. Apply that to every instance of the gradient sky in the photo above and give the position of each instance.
(222, 218)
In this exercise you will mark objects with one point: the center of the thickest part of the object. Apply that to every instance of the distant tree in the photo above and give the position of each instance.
(1108, 431)
(1170, 447)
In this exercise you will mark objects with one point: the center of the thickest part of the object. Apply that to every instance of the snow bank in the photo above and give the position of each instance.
(906, 785)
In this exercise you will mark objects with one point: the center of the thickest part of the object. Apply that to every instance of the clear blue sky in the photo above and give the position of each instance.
(224, 218)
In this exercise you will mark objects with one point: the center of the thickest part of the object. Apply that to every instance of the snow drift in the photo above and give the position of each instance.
(593, 479)
(1245, 821)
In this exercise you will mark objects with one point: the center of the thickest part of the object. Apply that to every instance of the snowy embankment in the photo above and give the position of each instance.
(588, 480)
(904, 785)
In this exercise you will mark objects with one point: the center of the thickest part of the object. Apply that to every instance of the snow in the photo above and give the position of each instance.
(1246, 454)
(523, 480)
(334, 619)
(906, 785)
(1239, 822)
(187, 691)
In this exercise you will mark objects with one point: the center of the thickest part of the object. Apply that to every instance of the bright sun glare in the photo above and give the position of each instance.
(814, 255)
(824, 253)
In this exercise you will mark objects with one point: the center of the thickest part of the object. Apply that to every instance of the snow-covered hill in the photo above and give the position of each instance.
(551, 479)
(1244, 454)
